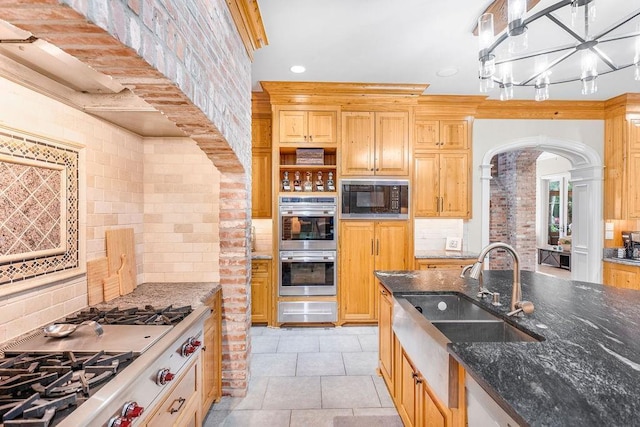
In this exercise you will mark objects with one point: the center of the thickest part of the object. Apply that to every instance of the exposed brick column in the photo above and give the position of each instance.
(235, 215)
(513, 207)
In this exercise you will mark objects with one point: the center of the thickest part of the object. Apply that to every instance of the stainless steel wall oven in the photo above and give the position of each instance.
(305, 273)
(308, 223)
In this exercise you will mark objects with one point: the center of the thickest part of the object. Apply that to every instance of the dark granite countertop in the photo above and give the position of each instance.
(433, 254)
(587, 370)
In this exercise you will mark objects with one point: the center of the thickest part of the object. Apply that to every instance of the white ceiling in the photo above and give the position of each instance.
(405, 41)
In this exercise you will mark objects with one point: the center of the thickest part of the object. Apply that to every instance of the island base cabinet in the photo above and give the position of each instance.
(417, 404)
(386, 339)
(212, 353)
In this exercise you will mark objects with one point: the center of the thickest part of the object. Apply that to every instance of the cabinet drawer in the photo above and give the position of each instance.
(261, 267)
(178, 400)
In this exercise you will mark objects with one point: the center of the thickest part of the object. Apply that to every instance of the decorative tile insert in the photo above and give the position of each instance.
(38, 208)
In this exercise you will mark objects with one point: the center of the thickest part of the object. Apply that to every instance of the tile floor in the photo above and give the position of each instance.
(311, 377)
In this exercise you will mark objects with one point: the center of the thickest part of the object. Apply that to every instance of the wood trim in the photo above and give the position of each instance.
(260, 105)
(547, 110)
(246, 16)
(448, 106)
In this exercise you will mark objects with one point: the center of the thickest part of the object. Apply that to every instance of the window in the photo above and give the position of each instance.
(559, 212)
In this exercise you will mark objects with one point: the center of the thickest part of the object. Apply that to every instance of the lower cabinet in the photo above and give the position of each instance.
(211, 354)
(443, 263)
(621, 275)
(260, 291)
(386, 340)
(366, 246)
(181, 407)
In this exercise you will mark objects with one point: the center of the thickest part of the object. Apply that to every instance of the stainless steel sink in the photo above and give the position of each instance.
(461, 320)
(482, 331)
(437, 307)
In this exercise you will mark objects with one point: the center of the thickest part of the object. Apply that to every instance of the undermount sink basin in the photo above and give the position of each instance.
(438, 307)
(461, 320)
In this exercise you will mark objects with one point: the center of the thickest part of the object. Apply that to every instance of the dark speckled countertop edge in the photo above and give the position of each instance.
(434, 254)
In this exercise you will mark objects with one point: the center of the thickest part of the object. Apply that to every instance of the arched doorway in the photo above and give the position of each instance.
(586, 176)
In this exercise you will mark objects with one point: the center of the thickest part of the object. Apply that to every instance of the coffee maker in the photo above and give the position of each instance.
(631, 240)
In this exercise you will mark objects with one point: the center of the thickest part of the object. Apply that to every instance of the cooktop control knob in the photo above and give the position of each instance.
(164, 376)
(190, 347)
(132, 409)
(119, 422)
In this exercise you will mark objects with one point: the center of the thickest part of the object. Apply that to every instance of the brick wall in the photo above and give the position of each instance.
(513, 207)
(187, 60)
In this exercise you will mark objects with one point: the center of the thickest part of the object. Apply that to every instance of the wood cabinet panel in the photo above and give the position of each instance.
(211, 354)
(322, 126)
(441, 186)
(307, 126)
(385, 344)
(621, 275)
(178, 409)
(356, 150)
(375, 144)
(261, 133)
(366, 246)
(441, 135)
(261, 184)
(293, 126)
(260, 291)
(614, 159)
(633, 197)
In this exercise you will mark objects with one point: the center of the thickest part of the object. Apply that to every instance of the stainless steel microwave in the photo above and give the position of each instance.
(374, 198)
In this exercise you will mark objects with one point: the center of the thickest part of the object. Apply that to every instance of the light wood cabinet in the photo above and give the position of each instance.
(261, 169)
(443, 263)
(441, 186)
(416, 402)
(211, 354)
(366, 246)
(314, 127)
(375, 144)
(622, 159)
(441, 135)
(260, 291)
(181, 407)
(385, 335)
(621, 275)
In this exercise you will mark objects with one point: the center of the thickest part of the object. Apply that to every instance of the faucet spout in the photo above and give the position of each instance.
(516, 291)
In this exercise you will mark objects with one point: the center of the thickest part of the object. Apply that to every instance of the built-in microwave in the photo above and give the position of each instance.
(374, 198)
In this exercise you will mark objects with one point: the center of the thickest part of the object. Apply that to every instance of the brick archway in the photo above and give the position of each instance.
(200, 84)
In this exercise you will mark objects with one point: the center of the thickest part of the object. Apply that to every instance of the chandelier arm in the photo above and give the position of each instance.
(537, 53)
(564, 27)
(604, 57)
(550, 66)
(618, 25)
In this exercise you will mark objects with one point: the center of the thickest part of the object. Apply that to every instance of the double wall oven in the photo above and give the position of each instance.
(307, 258)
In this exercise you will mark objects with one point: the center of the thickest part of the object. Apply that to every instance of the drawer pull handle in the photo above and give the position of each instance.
(180, 401)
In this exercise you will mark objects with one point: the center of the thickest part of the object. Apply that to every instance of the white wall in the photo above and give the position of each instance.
(490, 134)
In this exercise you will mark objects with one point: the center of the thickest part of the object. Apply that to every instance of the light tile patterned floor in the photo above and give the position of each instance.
(310, 377)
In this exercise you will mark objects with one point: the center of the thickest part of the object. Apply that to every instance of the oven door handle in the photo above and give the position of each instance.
(307, 259)
(308, 212)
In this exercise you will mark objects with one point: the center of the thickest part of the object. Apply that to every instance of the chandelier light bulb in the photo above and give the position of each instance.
(506, 91)
(487, 64)
(486, 84)
(589, 72)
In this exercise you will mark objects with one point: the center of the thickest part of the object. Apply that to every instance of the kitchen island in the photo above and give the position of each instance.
(584, 372)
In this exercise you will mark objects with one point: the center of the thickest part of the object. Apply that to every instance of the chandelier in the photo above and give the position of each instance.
(540, 50)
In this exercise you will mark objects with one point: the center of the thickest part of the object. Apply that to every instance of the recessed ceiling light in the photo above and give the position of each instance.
(298, 69)
(447, 72)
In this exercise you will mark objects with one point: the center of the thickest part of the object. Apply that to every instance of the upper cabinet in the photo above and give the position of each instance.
(261, 168)
(313, 127)
(441, 135)
(375, 144)
(622, 167)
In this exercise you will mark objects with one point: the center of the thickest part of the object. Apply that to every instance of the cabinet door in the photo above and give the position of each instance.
(614, 204)
(261, 184)
(453, 135)
(260, 291)
(392, 144)
(261, 133)
(357, 144)
(356, 286)
(427, 135)
(621, 276)
(433, 414)
(426, 181)
(391, 245)
(293, 126)
(407, 391)
(454, 185)
(212, 353)
(385, 334)
(633, 197)
(634, 137)
(322, 126)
